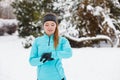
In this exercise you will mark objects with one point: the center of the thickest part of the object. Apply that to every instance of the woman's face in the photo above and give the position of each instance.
(49, 27)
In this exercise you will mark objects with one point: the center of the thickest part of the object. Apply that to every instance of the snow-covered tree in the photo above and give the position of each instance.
(88, 22)
(83, 22)
(8, 23)
(8, 26)
(28, 13)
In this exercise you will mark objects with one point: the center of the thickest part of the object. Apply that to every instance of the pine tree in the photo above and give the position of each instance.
(27, 12)
(30, 13)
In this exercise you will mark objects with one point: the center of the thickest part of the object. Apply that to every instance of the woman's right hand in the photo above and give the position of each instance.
(46, 57)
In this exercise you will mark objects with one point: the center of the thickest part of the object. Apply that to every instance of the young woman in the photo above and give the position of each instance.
(48, 51)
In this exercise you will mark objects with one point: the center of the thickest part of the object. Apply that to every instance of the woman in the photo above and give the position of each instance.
(48, 51)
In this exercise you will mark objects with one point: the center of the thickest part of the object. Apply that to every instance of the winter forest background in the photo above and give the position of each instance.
(86, 23)
(91, 26)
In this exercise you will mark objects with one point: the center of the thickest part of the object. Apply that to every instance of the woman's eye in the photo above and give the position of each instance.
(52, 25)
(46, 25)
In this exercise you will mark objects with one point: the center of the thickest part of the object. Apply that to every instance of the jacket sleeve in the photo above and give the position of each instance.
(34, 59)
(65, 52)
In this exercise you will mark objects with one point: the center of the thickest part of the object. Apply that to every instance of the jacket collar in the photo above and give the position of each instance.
(51, 36)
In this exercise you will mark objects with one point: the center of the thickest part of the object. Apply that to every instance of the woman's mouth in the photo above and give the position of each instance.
(50, 30)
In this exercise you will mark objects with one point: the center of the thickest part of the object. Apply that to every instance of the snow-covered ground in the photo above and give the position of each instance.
(85, 64)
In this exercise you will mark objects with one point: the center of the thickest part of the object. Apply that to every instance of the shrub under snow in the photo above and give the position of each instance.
(8, 25)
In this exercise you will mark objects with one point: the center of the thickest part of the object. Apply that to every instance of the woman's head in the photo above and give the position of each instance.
(50, 24)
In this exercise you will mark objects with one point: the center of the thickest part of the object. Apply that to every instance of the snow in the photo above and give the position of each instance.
(97, 10)
(1, 24)
(85, 64)
(94, 64)
(89, 7)
(109, 21)
(5, 3)
(14, 60)
(7, 22)
(116, 3)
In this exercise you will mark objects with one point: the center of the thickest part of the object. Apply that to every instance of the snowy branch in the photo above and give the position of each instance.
(90, 38)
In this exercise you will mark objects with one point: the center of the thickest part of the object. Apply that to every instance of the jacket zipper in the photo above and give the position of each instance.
(49, 41)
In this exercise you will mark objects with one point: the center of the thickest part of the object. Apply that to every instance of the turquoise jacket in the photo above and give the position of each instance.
(50, 70)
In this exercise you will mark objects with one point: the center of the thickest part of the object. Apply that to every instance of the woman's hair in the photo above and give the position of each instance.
(53, 17)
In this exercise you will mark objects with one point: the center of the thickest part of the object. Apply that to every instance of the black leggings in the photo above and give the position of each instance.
(63, 79)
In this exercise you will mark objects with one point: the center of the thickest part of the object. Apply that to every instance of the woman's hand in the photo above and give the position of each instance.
(46, 57)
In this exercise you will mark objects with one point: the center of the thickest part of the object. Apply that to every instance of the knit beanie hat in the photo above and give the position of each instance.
(50, 17)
